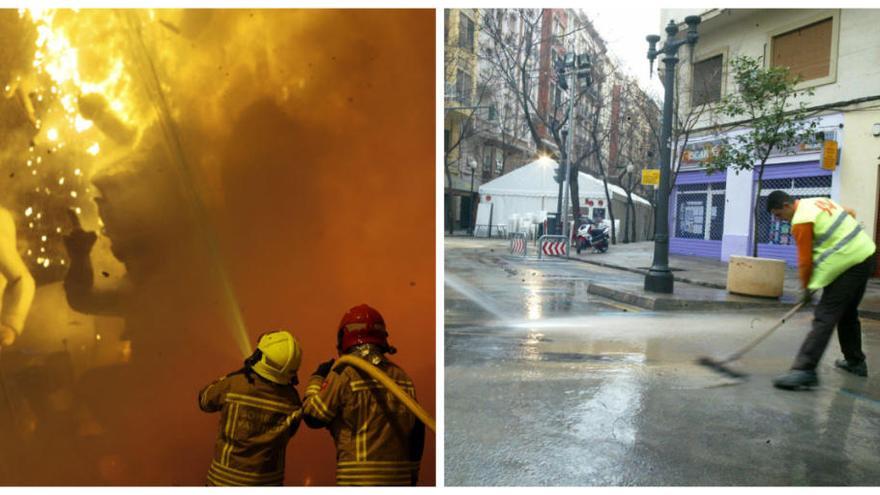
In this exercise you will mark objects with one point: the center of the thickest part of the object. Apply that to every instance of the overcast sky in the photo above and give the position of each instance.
(624, 30)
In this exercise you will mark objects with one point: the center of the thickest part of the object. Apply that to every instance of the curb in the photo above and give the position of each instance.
(675, 304)
(868, 314)
(677, 278)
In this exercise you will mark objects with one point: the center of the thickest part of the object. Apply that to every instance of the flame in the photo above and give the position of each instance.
(73, 73)
(79, 75)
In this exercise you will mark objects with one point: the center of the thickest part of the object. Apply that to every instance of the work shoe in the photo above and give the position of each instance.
(797, 380)
(858, 369)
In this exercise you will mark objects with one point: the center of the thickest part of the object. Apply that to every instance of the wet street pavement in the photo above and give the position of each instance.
(549, 385)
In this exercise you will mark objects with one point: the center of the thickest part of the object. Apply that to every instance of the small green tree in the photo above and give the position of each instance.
(776, 117)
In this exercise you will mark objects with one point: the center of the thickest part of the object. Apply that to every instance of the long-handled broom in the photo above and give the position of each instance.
(719, 364)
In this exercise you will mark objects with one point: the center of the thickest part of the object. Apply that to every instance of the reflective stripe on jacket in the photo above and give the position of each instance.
(377, 438)
(256, 422)
(839, 242)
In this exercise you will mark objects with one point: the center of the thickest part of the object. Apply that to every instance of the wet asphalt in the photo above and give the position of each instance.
(548, 385)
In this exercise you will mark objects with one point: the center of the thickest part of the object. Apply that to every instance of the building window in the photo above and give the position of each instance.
(598, 215)
(463, 87)
(488, 161)
(707, 80)
(806, 50)
(773, 231)
(466, 33)
(700, 211)
(557, 29)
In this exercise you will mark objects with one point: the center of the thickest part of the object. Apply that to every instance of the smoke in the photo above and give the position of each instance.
(309, 137)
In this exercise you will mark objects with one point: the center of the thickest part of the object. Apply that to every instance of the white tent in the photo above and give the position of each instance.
(532, 189)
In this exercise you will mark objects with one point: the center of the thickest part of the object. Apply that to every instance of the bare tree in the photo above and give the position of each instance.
(599, 129)
(685, 119)
(511, 127)
(514, 40)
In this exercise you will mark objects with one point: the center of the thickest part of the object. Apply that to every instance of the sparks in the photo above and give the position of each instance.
(81, 124)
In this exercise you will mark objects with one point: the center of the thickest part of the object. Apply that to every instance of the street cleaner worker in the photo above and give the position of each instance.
(259, 411)
(835, 255)
(379, 441)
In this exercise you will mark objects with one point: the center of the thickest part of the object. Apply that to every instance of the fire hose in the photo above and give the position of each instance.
(392, 387)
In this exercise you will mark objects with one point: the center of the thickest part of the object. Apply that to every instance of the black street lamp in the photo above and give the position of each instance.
(659, 278)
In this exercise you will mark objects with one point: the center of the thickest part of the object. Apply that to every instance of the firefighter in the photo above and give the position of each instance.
(259, 411)
(835, 255)
(378, 440)
(16, 284)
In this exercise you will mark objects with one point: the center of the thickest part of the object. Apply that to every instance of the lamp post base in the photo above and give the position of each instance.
(659, 281)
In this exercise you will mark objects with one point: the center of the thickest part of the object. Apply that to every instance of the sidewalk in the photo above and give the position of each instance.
(701, 272)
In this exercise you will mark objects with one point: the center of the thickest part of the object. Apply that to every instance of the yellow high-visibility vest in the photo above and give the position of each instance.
(839, 242)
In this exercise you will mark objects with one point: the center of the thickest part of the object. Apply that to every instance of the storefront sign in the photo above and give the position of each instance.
(700, 153)
(814, 145)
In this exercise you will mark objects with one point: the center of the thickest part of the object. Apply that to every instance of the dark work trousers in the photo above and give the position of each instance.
(839, 306)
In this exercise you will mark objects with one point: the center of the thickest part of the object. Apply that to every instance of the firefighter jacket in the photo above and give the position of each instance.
(378, 440)
(257, 419)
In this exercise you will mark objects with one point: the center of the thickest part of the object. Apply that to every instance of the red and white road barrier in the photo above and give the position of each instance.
(552, 245)
(518, 244)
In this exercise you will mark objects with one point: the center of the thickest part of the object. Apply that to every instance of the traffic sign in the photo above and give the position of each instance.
(829, 155)
(650, 177)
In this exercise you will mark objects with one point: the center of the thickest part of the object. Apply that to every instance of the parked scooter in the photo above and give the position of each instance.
(592, 235)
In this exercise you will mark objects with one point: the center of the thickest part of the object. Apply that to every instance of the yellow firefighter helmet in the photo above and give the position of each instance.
(280, 355)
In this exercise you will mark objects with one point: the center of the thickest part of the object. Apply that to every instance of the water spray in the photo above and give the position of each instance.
(150, 77)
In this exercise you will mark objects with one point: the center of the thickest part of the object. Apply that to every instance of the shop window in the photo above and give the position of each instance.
(806, 50)
(707, 81)
(773, 231)
(699, 212)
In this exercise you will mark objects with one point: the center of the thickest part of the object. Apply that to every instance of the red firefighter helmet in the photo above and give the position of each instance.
(361, 325)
